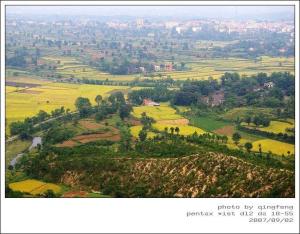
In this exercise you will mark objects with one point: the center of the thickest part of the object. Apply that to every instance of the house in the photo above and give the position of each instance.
(149, 102)
(269, 85)
(168, 67)
(142, 69)
(215, 99)
(156, 68)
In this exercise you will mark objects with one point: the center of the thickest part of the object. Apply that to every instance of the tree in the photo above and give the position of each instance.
(146, 121)
(225, 139)
(248, 146)
(177, 130)
(248, 119)
(236, 137)
(172, 130)
(256, 121)
(84, 106)
(124, 111)
(142, 135)
(42, 115)
(260, 150)
(98, 99)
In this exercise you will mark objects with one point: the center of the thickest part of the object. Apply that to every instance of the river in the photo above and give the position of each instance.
(35, 142)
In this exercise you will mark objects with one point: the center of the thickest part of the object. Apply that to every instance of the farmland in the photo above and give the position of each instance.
(49, 97)
(274, 146)
(162, 112)
(275, 127)
(99, 107)
(215, 68)
(34, 187)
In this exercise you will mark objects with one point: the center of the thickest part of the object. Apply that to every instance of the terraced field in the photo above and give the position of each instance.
(215, 68)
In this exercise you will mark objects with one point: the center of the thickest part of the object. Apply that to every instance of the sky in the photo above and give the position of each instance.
(216, 12)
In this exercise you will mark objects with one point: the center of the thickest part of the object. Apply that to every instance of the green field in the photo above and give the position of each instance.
(207, 123)
(242, 112)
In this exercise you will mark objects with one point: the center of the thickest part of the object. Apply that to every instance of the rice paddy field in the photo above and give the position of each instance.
(276, 147)
(136, 129)
(274, 127)
(70, 66)
(200, 69)
(166, 117)
(215, 68)
(184, 129)
(162, 112)
(34, 187)
(49, 96)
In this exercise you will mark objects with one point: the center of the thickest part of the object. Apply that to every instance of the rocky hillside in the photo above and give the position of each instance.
(205, 175)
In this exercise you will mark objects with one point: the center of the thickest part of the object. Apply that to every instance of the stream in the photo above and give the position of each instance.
(35, 142)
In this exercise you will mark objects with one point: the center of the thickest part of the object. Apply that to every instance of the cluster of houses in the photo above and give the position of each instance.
(162, 67)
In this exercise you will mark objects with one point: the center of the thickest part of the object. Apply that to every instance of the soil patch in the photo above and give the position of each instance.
(227, 130)
(71, 194)
(111, 135)
(90, 125)
(68, 143)
(29, 91)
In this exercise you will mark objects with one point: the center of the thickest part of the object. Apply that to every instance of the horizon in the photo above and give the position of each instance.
(176, 12)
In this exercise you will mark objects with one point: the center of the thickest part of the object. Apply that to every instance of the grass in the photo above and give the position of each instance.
(207, 123)
(34, 187)
(276, 147)
(162, 112)
(241, 112)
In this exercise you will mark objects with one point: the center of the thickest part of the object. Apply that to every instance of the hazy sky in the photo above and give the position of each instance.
(256, 12)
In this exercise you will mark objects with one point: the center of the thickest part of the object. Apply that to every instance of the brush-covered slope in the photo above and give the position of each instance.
(199, 175)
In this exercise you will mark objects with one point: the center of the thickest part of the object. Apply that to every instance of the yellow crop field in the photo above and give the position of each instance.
(277, 127)
(20, 105)
(136, 129)
(183, 108)
(277, 147)
(9, 89)
(34, 187)
(184, 129)
(162, 112)
(274, 127)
